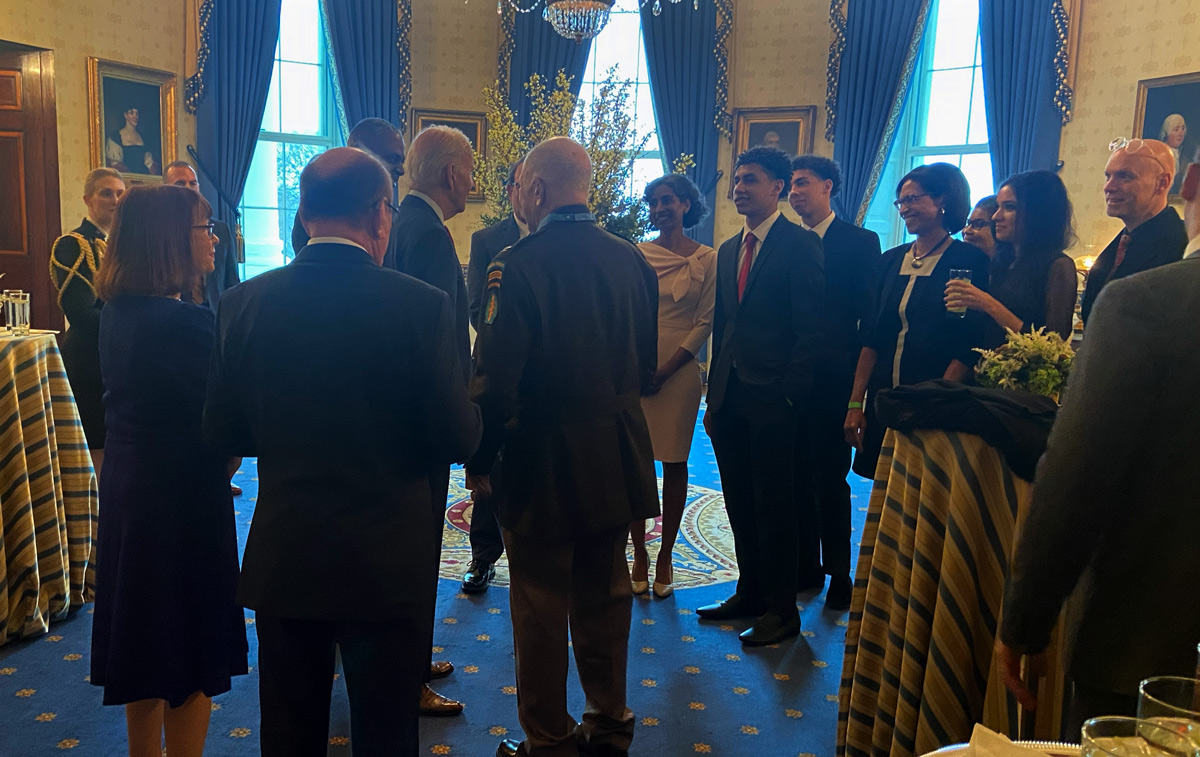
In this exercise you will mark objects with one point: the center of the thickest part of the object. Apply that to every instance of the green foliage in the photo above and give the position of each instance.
(1038, 363)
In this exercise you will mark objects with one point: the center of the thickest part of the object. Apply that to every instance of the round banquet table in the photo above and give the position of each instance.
(48, 495)
(919, 672)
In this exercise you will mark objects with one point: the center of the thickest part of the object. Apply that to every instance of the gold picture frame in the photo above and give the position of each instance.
(474, 125)
(128, 104)
(1168, 97)
(790, 129)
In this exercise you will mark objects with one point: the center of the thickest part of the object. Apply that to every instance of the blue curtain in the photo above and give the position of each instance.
(683, 79)
(1024, 126)
(538, 49)
(876, 67)
(242, 50)
(363, 37)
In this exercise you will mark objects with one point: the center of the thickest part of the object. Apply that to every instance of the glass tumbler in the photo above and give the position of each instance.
(1133, 737)
(959, 274)
(1172, 702)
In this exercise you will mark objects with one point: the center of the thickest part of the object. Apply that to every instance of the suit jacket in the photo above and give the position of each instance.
(567, 343)
(425, 251)
(225, 273)
(1156, 242)
(774, 334)
(300, 238)
(341, 377)
(852, 258)
(1113, 515)
(485, 245)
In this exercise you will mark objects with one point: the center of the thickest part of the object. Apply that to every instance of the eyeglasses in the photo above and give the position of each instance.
(908, 200)
(208, 228)
(1134, 146)
(978, 223)
(394, 208)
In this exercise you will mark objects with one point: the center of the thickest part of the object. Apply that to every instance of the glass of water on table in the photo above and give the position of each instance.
(1134, 737)
(1172, 702)
(959, 274)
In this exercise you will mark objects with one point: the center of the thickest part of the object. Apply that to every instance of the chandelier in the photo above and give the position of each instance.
(580, 19)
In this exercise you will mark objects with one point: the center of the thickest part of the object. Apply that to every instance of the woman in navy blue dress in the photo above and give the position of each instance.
(167, 632)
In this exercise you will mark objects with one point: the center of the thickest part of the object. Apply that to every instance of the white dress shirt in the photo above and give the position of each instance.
(337, 240)
(1193, 248)
(760, 233)
(436, 208)
(821, 227)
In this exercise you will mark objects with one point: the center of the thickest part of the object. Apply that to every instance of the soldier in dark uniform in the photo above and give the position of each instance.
(567, 343)
(74, 261)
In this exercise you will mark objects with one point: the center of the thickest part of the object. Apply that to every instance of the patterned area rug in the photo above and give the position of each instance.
(692, 686)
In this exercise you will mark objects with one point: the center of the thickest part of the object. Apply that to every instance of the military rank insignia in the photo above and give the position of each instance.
(491, 305)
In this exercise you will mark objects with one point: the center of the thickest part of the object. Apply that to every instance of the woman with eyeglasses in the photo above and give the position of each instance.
(980, 229)
(167, 631)
(913, 338)
(1033, 282)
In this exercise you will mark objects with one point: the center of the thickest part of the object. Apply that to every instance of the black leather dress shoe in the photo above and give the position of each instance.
(838, 596)
(770, 629)
(441, 669)
(479, 575)
(728, 609)
(509, 748)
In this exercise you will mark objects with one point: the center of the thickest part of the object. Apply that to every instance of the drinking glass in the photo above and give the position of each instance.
(1131, 737)
(4, 308)
(959, 274)
(16, 305)
(1172, 702)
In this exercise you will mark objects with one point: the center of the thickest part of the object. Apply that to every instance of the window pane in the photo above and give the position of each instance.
(619, 44)
(271, 112)
(957, 22)
(264, 247)
(949, 108)
(978, 134)
(977, 167)
(262, 183)
(644, 112)
(300, 87)
(299, 31)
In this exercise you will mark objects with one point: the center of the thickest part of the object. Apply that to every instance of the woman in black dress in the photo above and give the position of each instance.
(912, 337)
(1033, 282)
(75, 259)
(167, 632)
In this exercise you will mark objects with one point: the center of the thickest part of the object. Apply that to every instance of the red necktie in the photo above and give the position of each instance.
(1122, 248)
(747, 262)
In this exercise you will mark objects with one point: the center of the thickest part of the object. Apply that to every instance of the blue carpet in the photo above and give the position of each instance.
(692, 686)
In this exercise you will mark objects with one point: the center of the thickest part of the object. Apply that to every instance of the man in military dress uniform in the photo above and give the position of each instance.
(567, 343)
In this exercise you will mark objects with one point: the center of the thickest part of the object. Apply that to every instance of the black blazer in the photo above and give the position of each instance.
(300, 238)
(1156, 242)
(774, 333)
(567, 343)
(425, 251)
(852, 257)
(485, 245)
(341, 377)
(225, 273)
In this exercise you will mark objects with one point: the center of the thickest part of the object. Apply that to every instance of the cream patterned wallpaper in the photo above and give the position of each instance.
(142, 32)
(1118, 46)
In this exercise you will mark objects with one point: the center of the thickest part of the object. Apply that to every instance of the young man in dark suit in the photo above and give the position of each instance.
(766, 343)
(342, 378)
(852, 257)
(567, 344)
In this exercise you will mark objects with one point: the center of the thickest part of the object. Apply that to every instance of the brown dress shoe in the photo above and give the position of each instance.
(433, 703)
(235, 490)
(441, 669)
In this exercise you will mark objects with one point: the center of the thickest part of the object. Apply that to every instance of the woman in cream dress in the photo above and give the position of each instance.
(687, 286)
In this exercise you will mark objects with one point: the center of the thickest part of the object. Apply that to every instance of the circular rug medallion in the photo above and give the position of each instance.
(703, 552)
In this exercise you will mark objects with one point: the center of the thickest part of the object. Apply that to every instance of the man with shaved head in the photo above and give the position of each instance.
(341, 377)
(567, 343)
(1137, 178)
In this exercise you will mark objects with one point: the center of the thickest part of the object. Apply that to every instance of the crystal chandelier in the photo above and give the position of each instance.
(577, 19)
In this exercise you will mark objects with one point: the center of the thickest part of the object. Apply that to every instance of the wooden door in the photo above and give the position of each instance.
(30, 218)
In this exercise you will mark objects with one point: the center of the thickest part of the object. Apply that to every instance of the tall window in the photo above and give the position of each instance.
(620, 44)
(299, 122)
(944, 120)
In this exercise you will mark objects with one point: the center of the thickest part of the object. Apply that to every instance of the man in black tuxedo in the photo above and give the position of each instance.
(486, 543)
(766, 342)
(342, 378)
(852, 257)
(568, 342)
(225, 274)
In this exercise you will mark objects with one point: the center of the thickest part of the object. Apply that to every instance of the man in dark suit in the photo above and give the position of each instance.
(852, 257)
(766, 342)
(567, 343)
(342, 378)
(1136, 182)
(225, 274)
(1113, 518)
(486, 543)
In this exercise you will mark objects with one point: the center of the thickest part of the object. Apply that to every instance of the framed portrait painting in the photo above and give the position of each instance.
(1168, 109)
(474, 125)
(789, 129)
(131, 115)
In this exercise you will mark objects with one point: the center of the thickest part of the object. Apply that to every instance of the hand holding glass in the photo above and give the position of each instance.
(959, 274)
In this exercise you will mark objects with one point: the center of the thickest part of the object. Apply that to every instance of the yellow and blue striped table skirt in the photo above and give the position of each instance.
(48, 496)
(919, 671)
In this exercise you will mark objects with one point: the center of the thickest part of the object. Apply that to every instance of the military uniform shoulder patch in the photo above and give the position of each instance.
(495, 273)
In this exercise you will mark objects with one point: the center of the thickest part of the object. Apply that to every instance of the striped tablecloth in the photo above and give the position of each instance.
(919, 669)
(48, 494)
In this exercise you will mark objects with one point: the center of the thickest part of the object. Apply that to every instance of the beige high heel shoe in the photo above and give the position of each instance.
(663, 590)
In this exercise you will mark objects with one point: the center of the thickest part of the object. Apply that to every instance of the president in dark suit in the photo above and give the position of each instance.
(225, 273)
(766, 342)
(342, 378)
(566, 346)
(486, 542)
(852, 256)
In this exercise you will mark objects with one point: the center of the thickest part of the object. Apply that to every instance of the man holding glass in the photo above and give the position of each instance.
(1113, 517)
